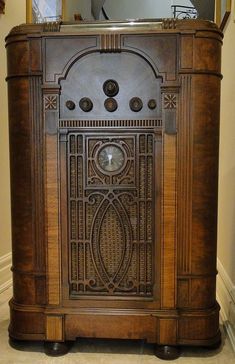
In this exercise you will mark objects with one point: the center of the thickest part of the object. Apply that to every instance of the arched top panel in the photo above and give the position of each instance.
(137, 81)
(137, 53)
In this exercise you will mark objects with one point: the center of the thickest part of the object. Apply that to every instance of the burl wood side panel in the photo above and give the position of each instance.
(21, 174)
(196, 328)
(23, 249)
(25, 130)
(196, 293)
(207, 52)
(25, 325)
(18, 58)
(198, 169)
(205, 100)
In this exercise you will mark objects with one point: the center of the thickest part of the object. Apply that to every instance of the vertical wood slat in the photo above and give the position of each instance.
(53, 256)
(54, 328)
(168, 255)
(184, 177)
(51, 113)
(37, 171)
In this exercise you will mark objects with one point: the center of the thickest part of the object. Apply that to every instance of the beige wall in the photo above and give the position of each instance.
(14, 15)
(226, 227)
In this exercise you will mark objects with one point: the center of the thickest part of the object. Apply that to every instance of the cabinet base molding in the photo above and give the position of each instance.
(168, 328)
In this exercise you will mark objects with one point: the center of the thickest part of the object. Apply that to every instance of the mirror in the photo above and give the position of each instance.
(223, 10)
(39, 11)
(68, 10)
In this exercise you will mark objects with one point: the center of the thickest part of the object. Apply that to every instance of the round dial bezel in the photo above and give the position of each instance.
(99, 165)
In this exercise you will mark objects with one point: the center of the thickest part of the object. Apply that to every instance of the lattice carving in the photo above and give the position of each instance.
(111, 217)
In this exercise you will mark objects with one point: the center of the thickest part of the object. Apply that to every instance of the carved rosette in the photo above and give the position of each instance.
(170, 103)
(51, 102)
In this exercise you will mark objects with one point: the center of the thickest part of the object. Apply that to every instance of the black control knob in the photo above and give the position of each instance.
(110, 104)
(86, 104)
(70, 105)
(136, 104)
(152, 104)
(111, 88)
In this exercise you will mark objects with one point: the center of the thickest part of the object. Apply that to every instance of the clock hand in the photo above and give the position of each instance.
(110, 158)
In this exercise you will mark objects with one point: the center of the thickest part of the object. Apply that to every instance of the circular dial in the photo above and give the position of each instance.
(136, 104)
(86, 104)
(110, 104)
(152, 104)
(111, 158)
(111, 88)
(70, 105)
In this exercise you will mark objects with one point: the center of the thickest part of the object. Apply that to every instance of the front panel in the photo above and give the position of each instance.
(112, 122)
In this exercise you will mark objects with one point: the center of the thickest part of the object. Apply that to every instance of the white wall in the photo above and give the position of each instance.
(226, 228)
(15, 13)
(226, 216)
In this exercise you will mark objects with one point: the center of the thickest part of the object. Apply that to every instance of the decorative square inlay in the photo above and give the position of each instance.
(50, 102)
(169, 101)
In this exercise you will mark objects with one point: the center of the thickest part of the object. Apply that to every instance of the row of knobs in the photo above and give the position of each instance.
(111, 89)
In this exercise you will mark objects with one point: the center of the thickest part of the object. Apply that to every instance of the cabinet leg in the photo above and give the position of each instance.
(53, 348)
(167, 352)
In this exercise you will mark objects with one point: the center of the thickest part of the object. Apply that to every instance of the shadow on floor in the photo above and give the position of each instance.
(111, 346)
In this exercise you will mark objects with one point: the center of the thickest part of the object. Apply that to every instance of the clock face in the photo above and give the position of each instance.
(111, 158)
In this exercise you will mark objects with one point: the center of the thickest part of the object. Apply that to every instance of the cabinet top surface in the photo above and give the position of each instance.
(122, 27)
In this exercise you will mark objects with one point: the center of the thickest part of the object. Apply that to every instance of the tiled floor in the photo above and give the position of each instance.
(101, 351)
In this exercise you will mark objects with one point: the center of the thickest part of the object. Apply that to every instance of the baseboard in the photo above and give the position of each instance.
(5, 272)
(226, 299)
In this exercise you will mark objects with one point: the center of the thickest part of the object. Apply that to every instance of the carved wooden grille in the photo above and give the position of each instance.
(111, 217)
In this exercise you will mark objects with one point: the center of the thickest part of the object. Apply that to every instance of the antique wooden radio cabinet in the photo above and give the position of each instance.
(114, 133)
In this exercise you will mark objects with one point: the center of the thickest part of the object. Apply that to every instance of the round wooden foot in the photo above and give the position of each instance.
(56, 348)
(167, 352)
(215, 346)
(16, 344)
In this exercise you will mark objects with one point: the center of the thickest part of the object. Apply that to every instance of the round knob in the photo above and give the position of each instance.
(152, 104)
(136, 104)
(70, 105)
(86, 104)
(111, 88)
(110, 104)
